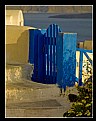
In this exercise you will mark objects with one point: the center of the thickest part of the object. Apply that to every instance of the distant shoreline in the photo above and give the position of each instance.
(80, 15)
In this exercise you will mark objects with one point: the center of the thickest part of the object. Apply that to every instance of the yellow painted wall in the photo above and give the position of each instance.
(81, 45)
(17, 44)
(88, 44)
(14, 17)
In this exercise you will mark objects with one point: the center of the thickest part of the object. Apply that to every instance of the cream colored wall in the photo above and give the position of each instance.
(84, 60)
(17, 17)
(17, 44)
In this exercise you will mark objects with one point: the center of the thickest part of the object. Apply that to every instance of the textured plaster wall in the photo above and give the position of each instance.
(17, 44)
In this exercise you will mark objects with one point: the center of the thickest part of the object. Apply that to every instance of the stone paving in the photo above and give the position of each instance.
(33, 99)
(28, 99)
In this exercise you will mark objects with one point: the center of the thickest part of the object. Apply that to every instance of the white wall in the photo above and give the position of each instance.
(84, 62)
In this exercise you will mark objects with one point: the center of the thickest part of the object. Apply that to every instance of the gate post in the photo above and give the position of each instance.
(66, 59)
(41, 55)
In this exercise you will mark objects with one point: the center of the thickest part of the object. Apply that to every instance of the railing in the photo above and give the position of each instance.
(83, 51)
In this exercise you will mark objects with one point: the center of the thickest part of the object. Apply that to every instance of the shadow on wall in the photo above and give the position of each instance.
(18, 52)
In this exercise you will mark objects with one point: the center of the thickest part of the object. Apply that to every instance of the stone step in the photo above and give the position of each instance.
(51, 108)
(28, 91)
(14, 73)
(25, 98)
(31, 99)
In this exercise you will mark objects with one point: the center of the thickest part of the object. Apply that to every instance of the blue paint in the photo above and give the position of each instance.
(35, 71)
(59, 59)
(54, 56)
(50, 53)
(54, 71)
(69, 58)
(80, 68)
(83, 50)
(81, 61)
(31, 46)
(43, 31)
(40, 58)
(66, 59)
(44, 54)
(47, 52)
(88, 57)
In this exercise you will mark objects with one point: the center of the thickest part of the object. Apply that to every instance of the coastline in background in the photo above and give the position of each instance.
(81, 26)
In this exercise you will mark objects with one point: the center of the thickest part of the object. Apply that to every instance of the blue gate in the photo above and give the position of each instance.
(50, 71)
(45, 55)
(53, 54)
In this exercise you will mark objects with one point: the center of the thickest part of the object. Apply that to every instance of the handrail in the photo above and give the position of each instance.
(84, 50)
(81, 60)
(89, 59)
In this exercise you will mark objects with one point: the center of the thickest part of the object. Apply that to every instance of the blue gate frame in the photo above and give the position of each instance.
(66, 59)
(53, 54)
(50, 71)
(43, 54)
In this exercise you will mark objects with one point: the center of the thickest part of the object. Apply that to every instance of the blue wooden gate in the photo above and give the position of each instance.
(66, 59)
(50, 70)
(53, 54)
(45, 55)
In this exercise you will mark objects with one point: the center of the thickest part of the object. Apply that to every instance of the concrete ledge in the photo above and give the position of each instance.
(15, 73)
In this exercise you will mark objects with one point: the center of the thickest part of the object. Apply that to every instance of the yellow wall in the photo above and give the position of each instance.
(81, 45)
(14, 17)
(88, 44)
(17, 44)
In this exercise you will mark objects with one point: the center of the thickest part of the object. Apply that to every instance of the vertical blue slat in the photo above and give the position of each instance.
(50, 54)
(48, 68)
(35, 71)
(46, 56)
(40, 49)
(40, 57)
(80, 68)
(54, 36)
(59, 57)
(44, 67)
(54, 60)
(31, 46)
(47, 49)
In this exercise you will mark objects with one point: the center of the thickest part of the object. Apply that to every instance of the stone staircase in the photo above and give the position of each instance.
(15, 73)
(25, 98)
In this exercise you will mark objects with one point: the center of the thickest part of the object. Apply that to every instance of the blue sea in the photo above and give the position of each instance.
(81, 26)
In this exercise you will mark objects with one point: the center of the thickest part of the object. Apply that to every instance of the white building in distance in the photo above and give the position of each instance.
(14, 17)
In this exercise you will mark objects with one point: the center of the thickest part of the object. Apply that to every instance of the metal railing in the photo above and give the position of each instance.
(83, 51)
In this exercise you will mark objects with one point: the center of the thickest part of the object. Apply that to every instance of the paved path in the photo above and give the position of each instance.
(30, 99)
